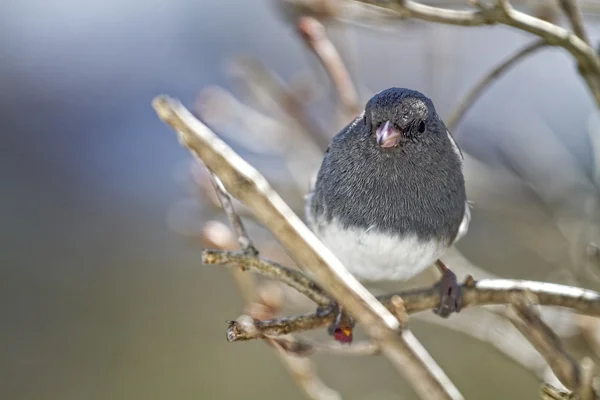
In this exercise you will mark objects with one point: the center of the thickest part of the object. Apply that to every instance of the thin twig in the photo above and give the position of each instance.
(314, 34)
(588, 390)
(473, 94)
(502, 13)
(247, 184)
(263, 84)
(222, 111)
(572, 11)
(549, 392)
(527, 320)
(303, 347)
(236, 222)
(303, 371)
(291, 277)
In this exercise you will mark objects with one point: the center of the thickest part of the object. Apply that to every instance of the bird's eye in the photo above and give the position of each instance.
(421, 127)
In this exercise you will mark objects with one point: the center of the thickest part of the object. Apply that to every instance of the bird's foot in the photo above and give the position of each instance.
(450, 292)
(343, 325)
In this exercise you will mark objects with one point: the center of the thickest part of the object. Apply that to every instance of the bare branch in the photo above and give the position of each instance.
(429, 374)
(243, 329)
(264, 85)
(472, 96)
(302, 369)
(502, 13)
(591, 75)
(571, 9)
(529, 323)
(291, 277)
(484, 292)
(314, 34)
(207, 194)
(235, 220)
(549, 392)
(303, 348)
(588, 389)
(222, 111)
(245, 183)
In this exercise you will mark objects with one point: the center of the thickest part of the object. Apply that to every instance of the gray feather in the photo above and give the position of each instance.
(417, 188)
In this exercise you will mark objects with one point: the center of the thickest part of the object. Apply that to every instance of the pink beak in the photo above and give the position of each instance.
(387, 135)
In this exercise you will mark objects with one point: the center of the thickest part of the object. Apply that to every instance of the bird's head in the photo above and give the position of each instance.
(396, 116)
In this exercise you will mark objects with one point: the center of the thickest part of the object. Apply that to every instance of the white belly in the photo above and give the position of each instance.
(373, 256)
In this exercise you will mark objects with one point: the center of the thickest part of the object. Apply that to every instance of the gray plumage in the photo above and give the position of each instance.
(413, 190)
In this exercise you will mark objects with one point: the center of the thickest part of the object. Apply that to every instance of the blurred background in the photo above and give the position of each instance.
(102, 295)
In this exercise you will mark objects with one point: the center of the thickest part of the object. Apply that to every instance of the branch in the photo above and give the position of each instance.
(502, 13)
(303, 348)
(222, 111)
(527, 320)
(291, 277)
(236, 222)
(571, 9)
(264, 86)
(549, 392)
(246, 184)
(484, 292)
(313, 33)
(472, 96)
(303, 372)
(591, 76)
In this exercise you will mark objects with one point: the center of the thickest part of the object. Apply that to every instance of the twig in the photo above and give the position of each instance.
(549, 392)
(313, 33)
(484, 292)
(303, 348)
(473, 94)
(291, 277)
(578, 379)
(222, 111)
(502, 13)
(262, 84)
(303, 371)
(236, 222)
(245, 183)
(207, 192)
(590, 332)
(417, 354)
(588, 390)
(572, 11)
(244, 329)
(491, 328)
(529, 323)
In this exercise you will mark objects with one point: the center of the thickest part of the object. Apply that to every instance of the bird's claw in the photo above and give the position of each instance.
(343, 325)
(450, 294)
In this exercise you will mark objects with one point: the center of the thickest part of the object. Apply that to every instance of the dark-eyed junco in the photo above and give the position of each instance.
(390, 198)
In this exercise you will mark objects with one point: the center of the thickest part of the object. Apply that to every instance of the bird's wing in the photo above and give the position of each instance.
(454, 145)
(307, 209)
(464, 224)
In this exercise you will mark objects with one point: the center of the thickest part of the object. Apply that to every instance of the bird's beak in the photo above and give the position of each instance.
(387, 135)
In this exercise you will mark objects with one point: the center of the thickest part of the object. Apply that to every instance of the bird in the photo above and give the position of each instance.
(389, 197)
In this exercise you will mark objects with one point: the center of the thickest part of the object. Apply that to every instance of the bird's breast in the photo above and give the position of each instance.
(373, 255)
